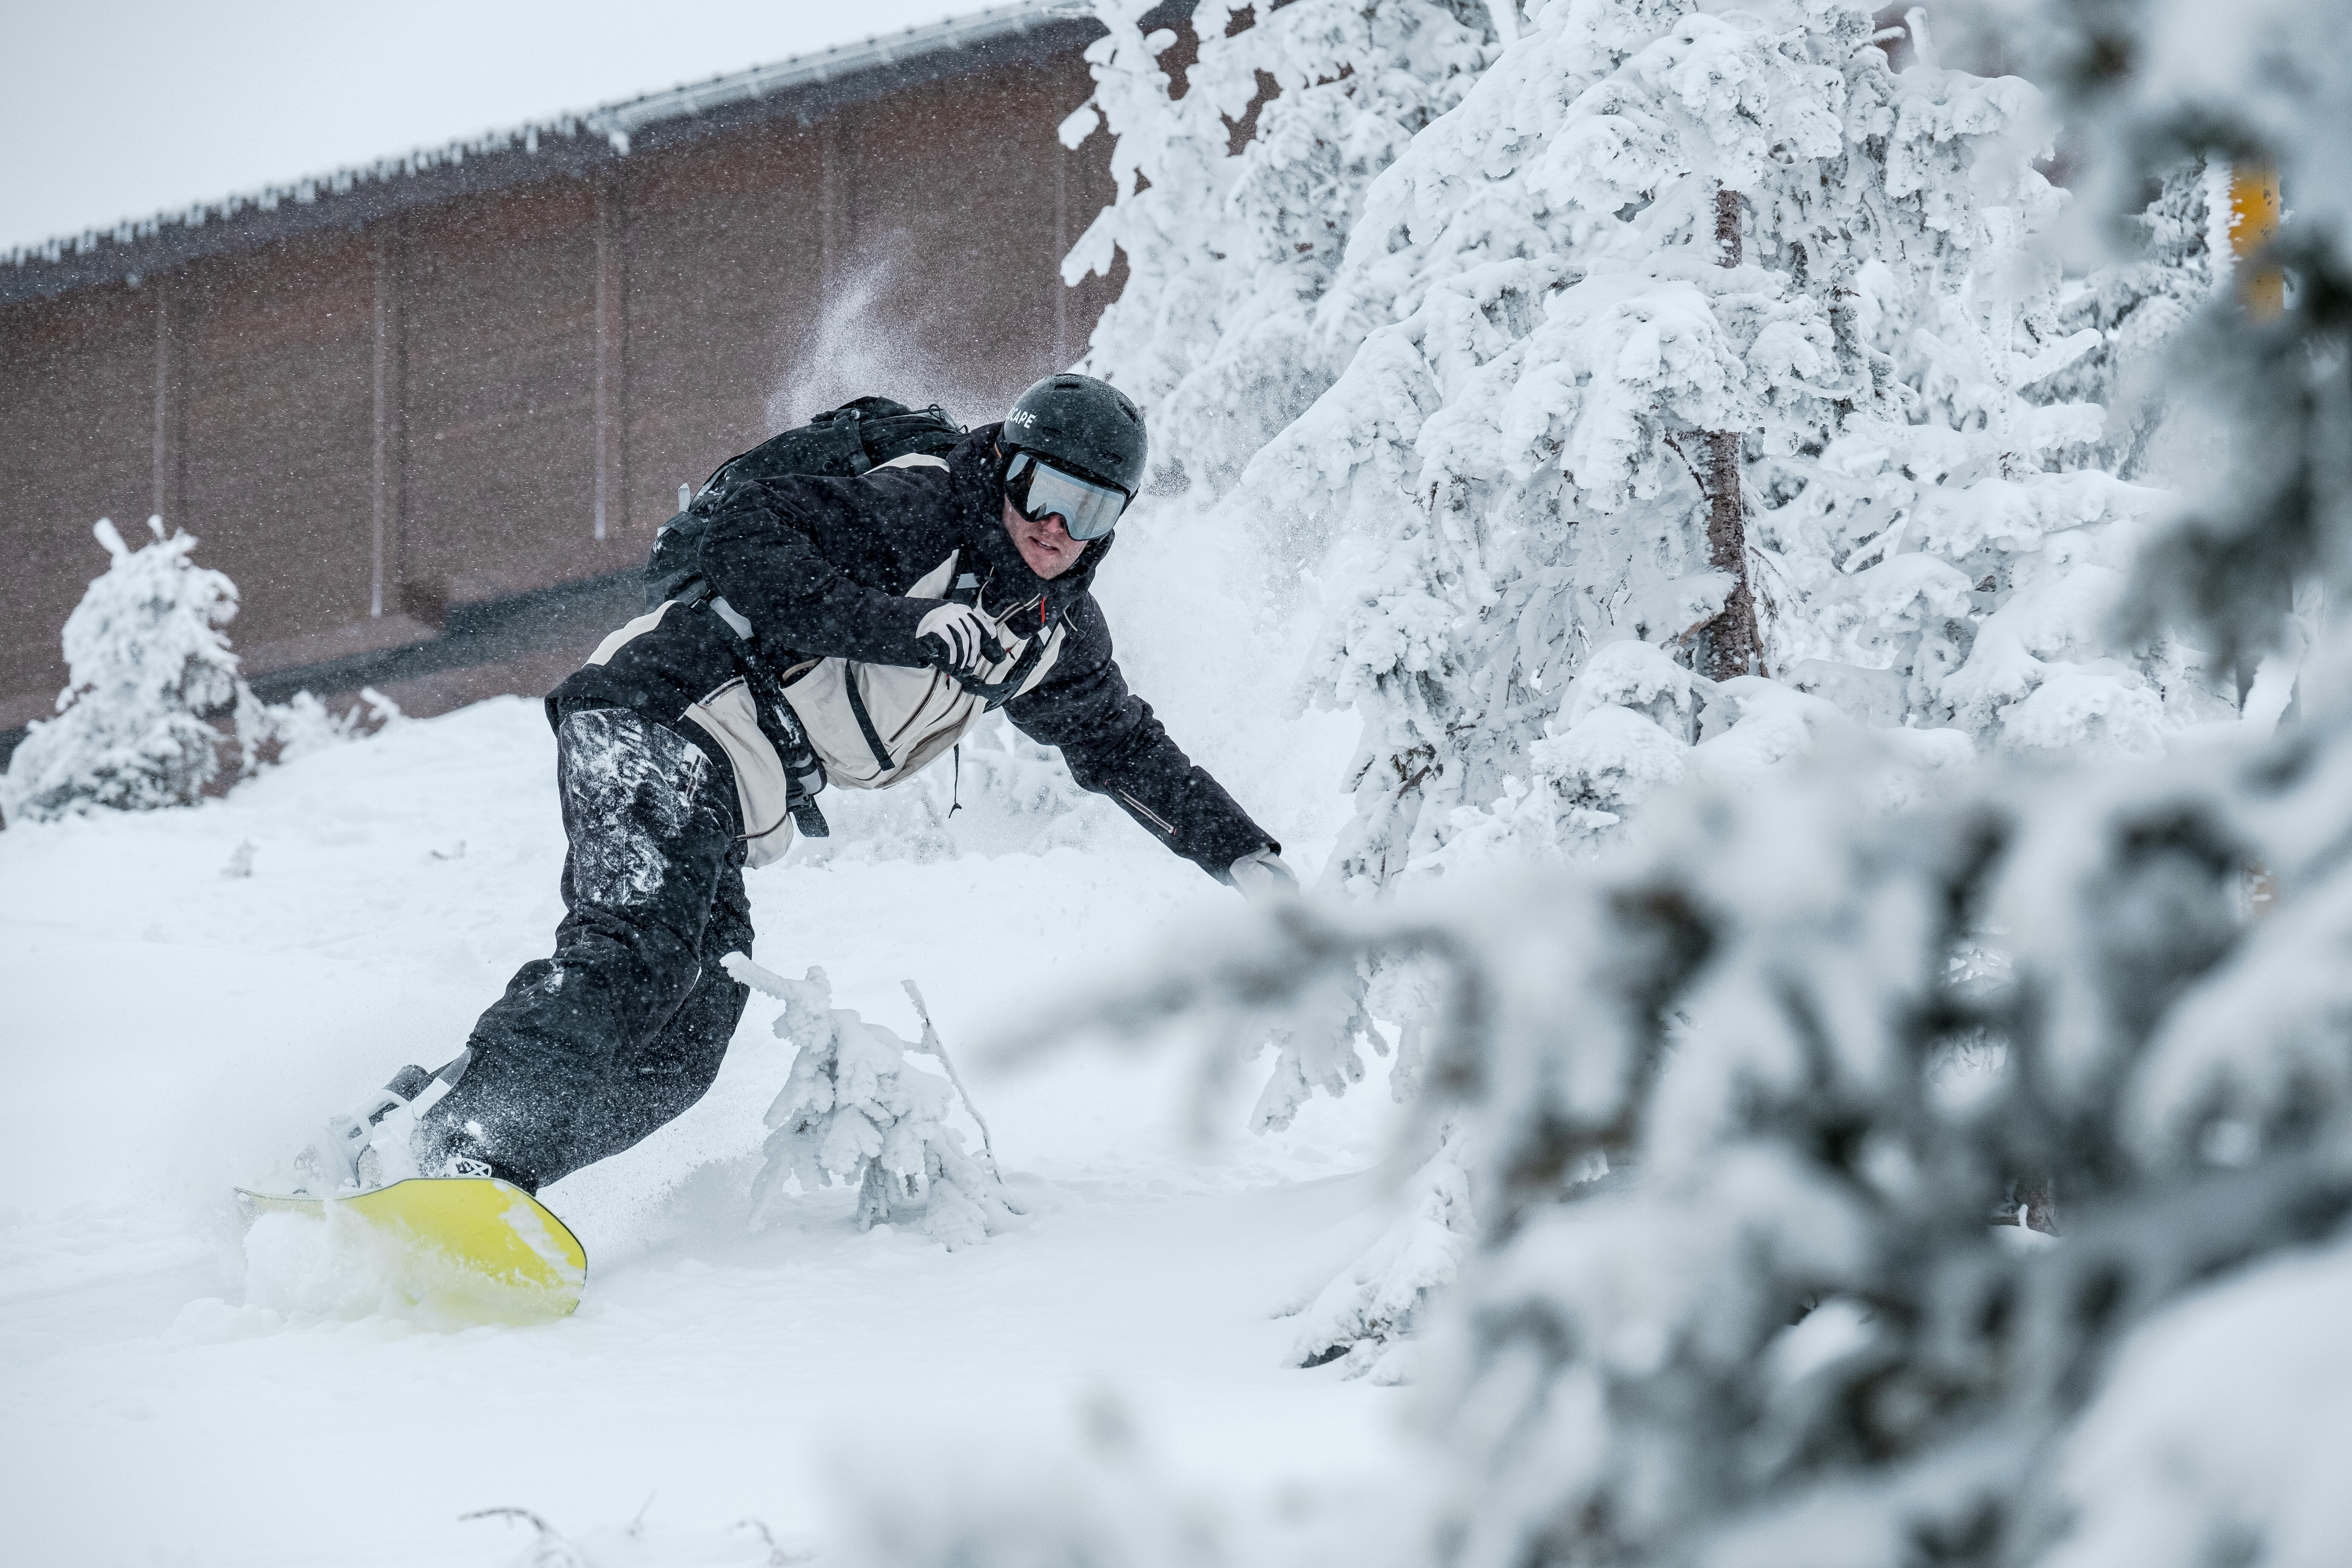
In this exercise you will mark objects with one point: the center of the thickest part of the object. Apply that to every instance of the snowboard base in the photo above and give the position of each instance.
(473, 1247)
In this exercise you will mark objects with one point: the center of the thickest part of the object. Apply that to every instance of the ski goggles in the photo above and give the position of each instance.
(1037, 491)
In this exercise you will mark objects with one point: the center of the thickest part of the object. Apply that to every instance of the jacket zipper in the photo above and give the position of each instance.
(1154, 817)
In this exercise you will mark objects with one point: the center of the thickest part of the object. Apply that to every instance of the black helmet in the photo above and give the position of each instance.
(1081, 423)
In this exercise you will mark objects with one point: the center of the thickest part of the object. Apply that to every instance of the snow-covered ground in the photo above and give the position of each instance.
(172, 1028)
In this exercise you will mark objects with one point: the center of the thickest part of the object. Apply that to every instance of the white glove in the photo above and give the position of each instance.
(1262, 878)
(959, 633)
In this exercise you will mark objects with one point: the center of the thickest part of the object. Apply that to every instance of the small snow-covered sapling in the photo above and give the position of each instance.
(855, 1109)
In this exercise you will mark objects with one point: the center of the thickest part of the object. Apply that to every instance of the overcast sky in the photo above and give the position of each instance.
(116, 109)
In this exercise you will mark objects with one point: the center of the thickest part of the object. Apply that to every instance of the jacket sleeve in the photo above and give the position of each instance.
(761, 552)
(1115, 746)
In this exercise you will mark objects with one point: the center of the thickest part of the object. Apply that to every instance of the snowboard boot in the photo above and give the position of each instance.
(347, 1157)
(444, 1150)
(477, 1166)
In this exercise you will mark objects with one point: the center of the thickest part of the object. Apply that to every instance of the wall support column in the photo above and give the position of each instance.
(390, 426)
(612, 358)
(829, 236)
(1061, 249)
(170, 402)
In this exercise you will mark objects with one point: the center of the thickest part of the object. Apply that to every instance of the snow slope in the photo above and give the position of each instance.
(170, 1028)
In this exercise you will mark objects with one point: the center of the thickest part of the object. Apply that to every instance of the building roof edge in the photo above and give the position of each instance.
(805, 85)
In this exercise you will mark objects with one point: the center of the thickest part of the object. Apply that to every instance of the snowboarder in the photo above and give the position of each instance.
(843, 630)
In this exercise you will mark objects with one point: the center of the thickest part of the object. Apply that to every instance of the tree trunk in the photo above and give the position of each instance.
(1729, 641)
(1731, 635)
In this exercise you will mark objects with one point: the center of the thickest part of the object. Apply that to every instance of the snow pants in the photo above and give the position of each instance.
(625, 1026)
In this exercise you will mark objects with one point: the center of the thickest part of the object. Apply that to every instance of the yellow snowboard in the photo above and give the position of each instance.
(473, 1247)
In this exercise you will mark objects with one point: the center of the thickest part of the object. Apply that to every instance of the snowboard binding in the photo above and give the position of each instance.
(345, 1157)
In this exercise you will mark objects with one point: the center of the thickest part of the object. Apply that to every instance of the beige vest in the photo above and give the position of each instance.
(916, 715)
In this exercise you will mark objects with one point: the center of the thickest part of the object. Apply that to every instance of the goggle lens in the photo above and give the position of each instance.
(1038, 490)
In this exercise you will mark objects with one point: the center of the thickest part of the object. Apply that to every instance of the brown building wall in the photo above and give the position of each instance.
(372, 428)
(497, 303)
(269, 357)
(77, 441)
(726, 262)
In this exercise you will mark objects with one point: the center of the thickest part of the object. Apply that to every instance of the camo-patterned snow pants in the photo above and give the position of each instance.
(625, 1024)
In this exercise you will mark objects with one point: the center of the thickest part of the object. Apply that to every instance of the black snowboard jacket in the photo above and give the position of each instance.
(820, 568)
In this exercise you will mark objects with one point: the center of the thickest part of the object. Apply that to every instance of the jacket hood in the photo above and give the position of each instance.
(978, 470)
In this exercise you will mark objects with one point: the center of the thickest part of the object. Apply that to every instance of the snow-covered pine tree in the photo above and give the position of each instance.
(151, 671)
(1229, 251)
(1518, 462)
(151, 675)
(1960, 565)
(1516, 465)
(1792, 1336)
(2176, 259)
(855, 1109)
(1522, 462)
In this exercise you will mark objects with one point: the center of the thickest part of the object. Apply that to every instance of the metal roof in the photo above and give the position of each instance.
(805, 88)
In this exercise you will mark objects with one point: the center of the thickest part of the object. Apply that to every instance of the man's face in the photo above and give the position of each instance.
(1046, 546)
